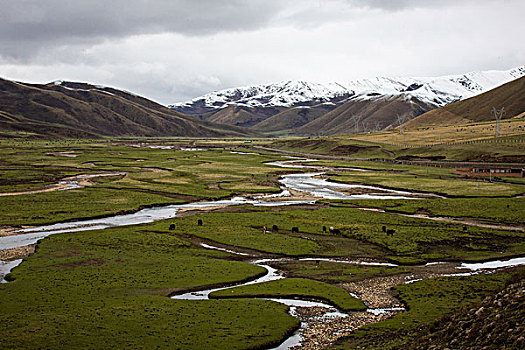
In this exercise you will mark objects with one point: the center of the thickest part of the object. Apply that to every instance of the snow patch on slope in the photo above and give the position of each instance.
(437, 91)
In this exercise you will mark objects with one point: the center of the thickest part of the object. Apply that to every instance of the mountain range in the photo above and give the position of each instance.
(79, 110)
(82, 110)
(479, 108)
(305, 108)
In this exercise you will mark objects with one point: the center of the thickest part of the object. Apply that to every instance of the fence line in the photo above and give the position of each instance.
(453, 143)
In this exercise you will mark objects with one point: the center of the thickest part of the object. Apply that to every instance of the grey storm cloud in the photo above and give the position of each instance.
(30, 27)
(27, 26)
(397, 5)
(173, 50)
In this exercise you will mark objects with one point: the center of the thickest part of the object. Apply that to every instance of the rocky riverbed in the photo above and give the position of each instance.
(324, 329)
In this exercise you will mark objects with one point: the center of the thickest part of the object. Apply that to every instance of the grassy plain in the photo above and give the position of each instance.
(497, 210)
(452, 187)
(154, 176)
(293, 288)
(415, 240)
(109, 288)
(466, 142)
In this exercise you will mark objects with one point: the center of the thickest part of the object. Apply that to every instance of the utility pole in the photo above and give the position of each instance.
(357, 118)
(498, 114)
(364, 124)
(401, 119)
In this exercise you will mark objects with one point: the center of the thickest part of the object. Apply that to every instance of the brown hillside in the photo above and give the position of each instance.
(242, 116)
(293, 118)
(477, 108)
(79, 109)
(376, 112)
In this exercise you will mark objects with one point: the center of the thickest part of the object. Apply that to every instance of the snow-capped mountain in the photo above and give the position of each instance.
(304, 108)
(437, 91)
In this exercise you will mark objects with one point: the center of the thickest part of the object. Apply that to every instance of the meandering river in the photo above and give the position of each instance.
(310, 183)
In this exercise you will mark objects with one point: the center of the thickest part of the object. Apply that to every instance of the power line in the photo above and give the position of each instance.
(498, 114)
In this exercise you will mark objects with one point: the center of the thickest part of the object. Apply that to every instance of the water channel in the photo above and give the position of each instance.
(307, 183)
(310, 183)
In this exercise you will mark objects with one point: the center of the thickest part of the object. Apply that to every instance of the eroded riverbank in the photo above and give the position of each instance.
(321, 323)
(324, 324)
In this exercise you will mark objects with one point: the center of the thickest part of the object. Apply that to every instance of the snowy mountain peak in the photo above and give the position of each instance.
(437, 91)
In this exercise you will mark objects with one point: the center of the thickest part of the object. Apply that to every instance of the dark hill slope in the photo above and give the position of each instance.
(478, 108)
(242, 116)
(292, 118)
(374, 113)
(495, 324)
(83, 110)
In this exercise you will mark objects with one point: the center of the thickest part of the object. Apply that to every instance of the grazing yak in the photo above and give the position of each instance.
(199, 222)
(295, 229)
(335, 231)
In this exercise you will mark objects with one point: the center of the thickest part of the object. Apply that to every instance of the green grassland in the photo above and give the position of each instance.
(154, 176)
(455, 187)
(498, 210)
(78, 288)
(109, 288)
(427, 301)
(106, 289)
(415, 240)
(295, 288)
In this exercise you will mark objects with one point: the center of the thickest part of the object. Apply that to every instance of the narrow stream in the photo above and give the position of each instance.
(271, 275)
(6, 267)
(331, 311)
(314, 185)
(32, 235)
(309, 183)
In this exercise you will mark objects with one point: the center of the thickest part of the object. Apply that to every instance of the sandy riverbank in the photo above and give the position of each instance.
(17, 253)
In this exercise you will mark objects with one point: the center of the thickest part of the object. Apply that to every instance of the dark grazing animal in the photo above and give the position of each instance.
(335, 231)
(295, 229)
(199, 222)
(172, 227)
(324, 228)
(384, 228)
(390, 232)
(275, 228)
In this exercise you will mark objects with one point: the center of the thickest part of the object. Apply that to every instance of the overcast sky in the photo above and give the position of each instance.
(174, 50)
